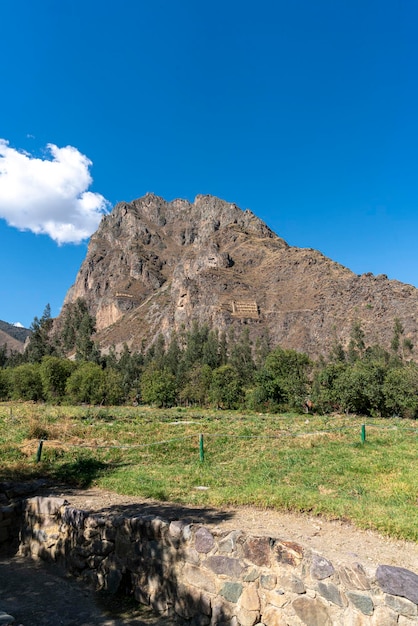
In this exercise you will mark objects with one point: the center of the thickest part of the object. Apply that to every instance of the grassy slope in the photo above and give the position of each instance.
(300, 463)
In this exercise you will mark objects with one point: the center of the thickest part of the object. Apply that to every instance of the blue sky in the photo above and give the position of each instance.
(305, 112)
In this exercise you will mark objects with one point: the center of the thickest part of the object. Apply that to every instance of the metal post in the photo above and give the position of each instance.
(363, 433)
(39, 453)
(201, 449)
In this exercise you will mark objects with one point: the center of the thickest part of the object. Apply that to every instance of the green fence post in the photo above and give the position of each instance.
(39, 453)
(201, 449)
(363, 433)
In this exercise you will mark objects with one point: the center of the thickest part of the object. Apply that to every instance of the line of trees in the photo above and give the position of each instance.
(204, 367)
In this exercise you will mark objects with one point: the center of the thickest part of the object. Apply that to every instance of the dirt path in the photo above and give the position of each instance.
(37, 594)
(336, 540)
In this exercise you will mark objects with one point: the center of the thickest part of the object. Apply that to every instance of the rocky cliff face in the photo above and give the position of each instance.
(154, 266)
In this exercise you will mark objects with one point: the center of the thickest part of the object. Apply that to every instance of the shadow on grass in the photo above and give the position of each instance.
(81, 472)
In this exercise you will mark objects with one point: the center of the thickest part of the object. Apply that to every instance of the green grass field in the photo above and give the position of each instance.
(304, 463)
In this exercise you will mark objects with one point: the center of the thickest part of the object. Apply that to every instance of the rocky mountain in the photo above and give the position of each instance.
(13, 337)
(155, 266)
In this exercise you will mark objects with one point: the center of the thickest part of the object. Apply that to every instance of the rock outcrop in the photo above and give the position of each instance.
(155, 266)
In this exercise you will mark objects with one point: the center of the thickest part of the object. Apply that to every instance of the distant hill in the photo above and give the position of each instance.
(13, 336)
(155, 266)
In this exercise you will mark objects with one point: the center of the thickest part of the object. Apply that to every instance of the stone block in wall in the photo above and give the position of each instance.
(94, 561)
(406, 621)
(398, 581)
(40, 506)
(257, 550)
(246, 617)
(361, 602)
(101, 547)
(191, 556)
(194, 575)
(224, 566)
(252, 575)
(355, 618)
(112, 580)
(321, 568)
(384, 616)
(203, 540)
(108, 532)
(140, 587)
(229, 543)
(160, 600)
(268, 581)
(354, 577)
(190, 602)
(250, 599)
(157, 526)
(180, 530)
(331, 593)
(221, 613)
(289, 582)
(402, 605)
(74, 517)
(276, 598)
(288, 552)
(231, 591)
(273, 617)
(312, 611)
(124, 548)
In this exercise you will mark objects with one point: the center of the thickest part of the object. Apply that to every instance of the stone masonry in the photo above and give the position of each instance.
(208, 577)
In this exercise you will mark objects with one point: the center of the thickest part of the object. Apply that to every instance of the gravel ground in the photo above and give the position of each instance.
(39, 594)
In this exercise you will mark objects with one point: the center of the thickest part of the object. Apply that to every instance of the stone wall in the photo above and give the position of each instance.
(12, 497)
(206, 576)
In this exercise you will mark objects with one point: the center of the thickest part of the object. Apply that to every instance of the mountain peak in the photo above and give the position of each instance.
(154, 266)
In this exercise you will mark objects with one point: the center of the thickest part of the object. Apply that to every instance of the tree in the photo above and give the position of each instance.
(25, 382)
(210, 351)
(400, 345)
(398, 331)
(86, 349)
(400, 390)
(4, 384)
(173, 355)
(360, 388)
(326, 388)
(40, 343)
(130, 366)
(158, 387)
(195, 340)
(89, 383)
(241, 358)
(356, 346)
(3, 355)
(54, 372)
(195, 390)
(262, 348)
(285, 378)
(337, 353)
(225, 390)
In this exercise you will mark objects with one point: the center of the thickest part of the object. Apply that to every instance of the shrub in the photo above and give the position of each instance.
(26, 383)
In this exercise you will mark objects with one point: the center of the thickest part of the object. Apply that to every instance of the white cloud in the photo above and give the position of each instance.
(49, 196)
(18, 325)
